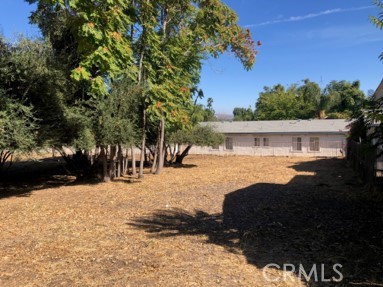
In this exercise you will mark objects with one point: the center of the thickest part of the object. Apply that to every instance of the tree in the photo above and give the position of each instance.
(113, 122)
(209, 111)
(368, 127)
(17, 129)
(242, 114)
(98, 29)
(277, 103)
(309, 95)
(344, 99)
(340, 99)
(203, 113)
(158, 45)
(30, 74)
(177, 38)
(198, 135)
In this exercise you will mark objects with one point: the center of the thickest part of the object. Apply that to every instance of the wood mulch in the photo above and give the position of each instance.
(216, 221)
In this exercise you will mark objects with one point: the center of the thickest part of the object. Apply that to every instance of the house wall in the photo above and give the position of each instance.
(379, 91)
(330, 145)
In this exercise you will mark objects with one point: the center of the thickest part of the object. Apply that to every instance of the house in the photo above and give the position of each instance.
(309, 138)
(378, 94)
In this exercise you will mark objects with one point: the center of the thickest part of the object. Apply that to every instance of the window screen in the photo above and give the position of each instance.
(297, 143)
(314, 144)
(229, 143)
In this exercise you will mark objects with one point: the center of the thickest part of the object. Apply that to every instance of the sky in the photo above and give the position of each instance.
(320, 40)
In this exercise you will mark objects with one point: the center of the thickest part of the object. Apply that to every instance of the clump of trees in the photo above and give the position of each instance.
(198, 135)
(367, 128)
(17, 129)
(109, 76)
(339, 99)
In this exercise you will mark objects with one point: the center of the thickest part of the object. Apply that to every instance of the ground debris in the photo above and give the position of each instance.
(187, 227)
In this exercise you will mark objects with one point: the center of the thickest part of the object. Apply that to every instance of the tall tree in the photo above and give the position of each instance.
(340, 99)
(309, 99)
(158, 44)
(98, 29)
(18, 127)
(30, 74)
(243, 114)
(345, 99)
(277, 103)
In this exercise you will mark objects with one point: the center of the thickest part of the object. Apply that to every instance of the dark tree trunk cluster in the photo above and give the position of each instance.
(6, 160)
(181, 155)
(106, 162)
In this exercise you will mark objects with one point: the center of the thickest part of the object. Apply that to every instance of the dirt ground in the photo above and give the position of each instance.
(216, 221)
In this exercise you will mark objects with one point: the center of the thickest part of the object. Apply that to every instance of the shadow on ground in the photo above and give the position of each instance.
(324, 218)
(24, 177)
(177, 165)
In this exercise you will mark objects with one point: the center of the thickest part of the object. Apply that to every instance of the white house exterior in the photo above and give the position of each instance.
(305, 138)
(378, 94)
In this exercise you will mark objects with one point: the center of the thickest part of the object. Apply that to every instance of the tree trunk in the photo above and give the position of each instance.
(155, 159)
(112, 162)
(173, 153)
(143, 143)
(140, 80)
(134, 172)
(180, 157)
(165, 153)
(322, 114)
(104, 157)
(126, 161)
(4, 155)
(154, 164)
(120, 157)
(146, 156)
(161, 147)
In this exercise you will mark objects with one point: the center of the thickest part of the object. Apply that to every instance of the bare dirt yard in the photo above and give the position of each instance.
(217, 221)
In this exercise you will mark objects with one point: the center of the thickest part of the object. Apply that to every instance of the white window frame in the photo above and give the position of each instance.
(257, 142)
(266, 142)
(297, 144)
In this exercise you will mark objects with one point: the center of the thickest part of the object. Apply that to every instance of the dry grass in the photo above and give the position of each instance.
(166, 230)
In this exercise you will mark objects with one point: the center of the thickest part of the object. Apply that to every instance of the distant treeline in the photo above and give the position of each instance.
(338, 100)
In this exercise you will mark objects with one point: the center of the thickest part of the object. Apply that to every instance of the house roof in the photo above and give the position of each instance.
(280, 127)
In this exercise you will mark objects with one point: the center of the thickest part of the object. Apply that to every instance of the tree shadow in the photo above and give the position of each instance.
(314, 219)
(27, 176)
(177, 165)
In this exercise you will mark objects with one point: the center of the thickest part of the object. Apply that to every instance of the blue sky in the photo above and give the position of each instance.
(322, 40)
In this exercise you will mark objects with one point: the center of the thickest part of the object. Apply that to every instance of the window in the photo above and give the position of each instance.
(266, 142)
(257, 142)
(297, 143)
(229, 143)
(314, 144)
